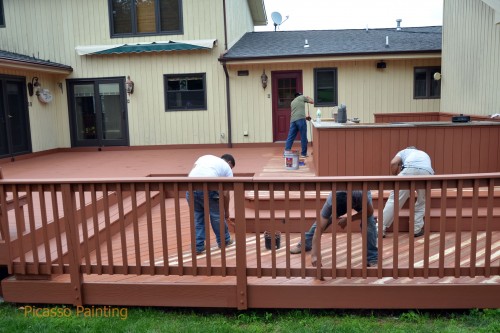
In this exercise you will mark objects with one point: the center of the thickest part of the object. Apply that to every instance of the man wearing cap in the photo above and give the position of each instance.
(298, 123)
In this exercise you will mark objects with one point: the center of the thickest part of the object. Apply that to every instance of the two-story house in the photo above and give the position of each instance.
(139, 73)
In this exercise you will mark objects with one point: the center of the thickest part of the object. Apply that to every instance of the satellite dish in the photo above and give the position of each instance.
(277, 19)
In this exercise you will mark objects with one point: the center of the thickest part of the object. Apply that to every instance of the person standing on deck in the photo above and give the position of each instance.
(298, 123)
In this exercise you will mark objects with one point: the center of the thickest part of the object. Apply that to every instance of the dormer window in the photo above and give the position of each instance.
(145, 17)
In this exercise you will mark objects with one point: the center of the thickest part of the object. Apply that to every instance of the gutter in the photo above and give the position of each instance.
(337, 56)
(34, 66)
(228, 99)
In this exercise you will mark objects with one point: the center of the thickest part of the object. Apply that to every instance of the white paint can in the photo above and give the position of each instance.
(292, 160)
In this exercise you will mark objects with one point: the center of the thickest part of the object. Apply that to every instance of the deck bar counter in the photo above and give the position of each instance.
(357, 149)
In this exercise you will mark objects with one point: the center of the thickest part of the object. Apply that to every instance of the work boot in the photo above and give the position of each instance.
(420, 233)
(228, 243)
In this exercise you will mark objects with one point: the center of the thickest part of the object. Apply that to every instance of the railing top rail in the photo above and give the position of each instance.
(255, 179)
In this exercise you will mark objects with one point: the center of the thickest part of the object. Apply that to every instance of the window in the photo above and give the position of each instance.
(145, 17)
(185, 92)
(325, 85)
(424, 84)
(2, 17)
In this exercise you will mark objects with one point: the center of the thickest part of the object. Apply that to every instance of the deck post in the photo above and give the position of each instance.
(241, 255)
(72, 239)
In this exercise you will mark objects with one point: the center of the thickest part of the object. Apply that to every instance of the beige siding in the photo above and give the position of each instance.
(51, 29)
(362, 87)
(239, 21)
(471, 58)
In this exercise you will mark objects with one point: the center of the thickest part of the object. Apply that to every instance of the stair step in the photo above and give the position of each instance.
(297, 225)
(310, 198)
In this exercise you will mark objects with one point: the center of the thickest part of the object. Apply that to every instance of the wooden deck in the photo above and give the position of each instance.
(135, 238)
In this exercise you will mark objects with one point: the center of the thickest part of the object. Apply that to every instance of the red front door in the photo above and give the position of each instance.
(285, 85)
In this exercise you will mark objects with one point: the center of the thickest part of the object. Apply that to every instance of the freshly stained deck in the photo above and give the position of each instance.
(158, 247)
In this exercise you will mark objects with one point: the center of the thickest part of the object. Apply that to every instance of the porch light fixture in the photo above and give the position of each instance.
(32, 85)
(437, 76)
(263, 79)
(129, 86)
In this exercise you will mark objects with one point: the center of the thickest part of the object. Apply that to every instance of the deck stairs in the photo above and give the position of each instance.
(98, 222)
(258, 211)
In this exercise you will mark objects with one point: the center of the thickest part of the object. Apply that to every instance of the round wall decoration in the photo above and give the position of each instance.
(45, 96)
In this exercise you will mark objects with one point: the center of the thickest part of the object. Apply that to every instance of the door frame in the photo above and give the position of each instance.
(275, 76)
(70, 83)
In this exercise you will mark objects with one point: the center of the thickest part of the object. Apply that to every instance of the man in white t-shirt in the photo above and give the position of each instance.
(414, 162)
(205, 167)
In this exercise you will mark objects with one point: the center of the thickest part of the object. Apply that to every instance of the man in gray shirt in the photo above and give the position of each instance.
(298, 123)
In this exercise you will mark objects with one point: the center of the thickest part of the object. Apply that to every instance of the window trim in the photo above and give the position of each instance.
(134, 32)
(2, 15)
(335, 90)
(203, 76)
(428, 81)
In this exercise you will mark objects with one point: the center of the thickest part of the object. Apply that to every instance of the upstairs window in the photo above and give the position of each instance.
(185, 92)
(325, 87)
(2, 17)
(145, 17)
(424, 84)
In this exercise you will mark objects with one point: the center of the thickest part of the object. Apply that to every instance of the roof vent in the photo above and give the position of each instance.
(386, 41)
(306, 43)
(398, 24)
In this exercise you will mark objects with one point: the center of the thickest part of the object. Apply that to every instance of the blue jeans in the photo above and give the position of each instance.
(326, 212)
(298, 126)
(199, 218)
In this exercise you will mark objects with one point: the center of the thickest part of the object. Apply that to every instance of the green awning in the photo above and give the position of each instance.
(161, 46)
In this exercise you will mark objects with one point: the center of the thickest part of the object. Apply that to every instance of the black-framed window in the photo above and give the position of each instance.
(145, 17)
(325, 87)
(185, 92)
(424, 84)
(2, 16)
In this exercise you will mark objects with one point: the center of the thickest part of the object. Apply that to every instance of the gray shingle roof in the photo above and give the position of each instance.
(282, 44)
(5, 55)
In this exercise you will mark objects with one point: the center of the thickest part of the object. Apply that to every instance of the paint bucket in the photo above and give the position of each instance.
(292, 160)
(277, 239)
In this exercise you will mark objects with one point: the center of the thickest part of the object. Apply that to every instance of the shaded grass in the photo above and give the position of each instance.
(13, 318)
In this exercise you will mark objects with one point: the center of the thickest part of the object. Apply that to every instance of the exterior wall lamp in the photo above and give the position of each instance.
(263, 79)
(32, 85)
(129, 86)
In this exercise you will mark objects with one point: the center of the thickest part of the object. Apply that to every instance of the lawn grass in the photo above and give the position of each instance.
(16, 318)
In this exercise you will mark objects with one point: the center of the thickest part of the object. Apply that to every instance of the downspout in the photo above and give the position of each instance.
(228, 100)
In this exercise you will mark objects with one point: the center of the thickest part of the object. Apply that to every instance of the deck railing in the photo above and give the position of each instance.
(144, 226)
